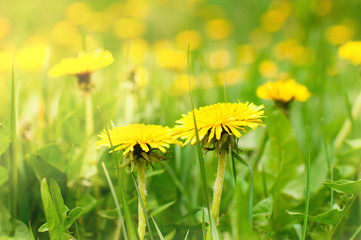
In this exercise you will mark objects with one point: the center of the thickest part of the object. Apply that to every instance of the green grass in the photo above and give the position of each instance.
(276, 193)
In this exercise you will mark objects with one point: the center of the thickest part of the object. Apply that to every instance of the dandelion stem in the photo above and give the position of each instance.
(141, 186)
(89, 123)
(218, 186)
(346, 127)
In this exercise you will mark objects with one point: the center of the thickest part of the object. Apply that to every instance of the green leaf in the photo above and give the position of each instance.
(54, 156)
(282, 158)
(43, 228)
(73, 215)
(5, 226)
(160, 209)
(4, 175)
(43, 169)
(5, 138)
(344, 186)
(21, 231)
(330, 217)
(54, 223)
(58, 200)
(262, 212)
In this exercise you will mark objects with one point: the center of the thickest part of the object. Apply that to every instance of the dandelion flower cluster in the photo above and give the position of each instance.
(283, 91)
(214, 120)
(351, 51)
(138, 142)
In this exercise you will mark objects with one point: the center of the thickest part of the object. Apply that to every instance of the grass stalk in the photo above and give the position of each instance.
(199, 149)
(308, 179)
(89, 120)
(115, 198)
(14, 150)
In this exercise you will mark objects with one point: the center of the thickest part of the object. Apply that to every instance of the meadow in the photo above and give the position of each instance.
(180, 119)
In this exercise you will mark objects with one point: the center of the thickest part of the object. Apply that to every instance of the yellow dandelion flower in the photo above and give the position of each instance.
(351, 51)
(129, 28)
(219, 28)
(283, 91)
(170, 57)
(218, 126)
(231, 76)
(191, 36)
(33, 55)
(79, 13)
(246, 54)
(6, 58)
(85, 63)
(339, 34)
(268, 69)
(138, 142)
(219, 58)
(4, 27)
(213, 120)
(137, 138)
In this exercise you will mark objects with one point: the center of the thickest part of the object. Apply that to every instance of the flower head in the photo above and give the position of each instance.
(85, 63)
(283, 91)
(138, 142)
(351, 51)
(219, 123)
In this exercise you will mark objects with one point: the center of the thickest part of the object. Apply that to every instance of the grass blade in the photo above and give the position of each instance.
(158, 230)
(186, 237)
(116, 201)
(143, 206)
(308, 163)
(199, 149)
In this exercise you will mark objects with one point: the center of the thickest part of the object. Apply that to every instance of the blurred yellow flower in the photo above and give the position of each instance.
(116, 10)
(6, 59)
(268, 69)
(351, 51)
(137, 8)
(78, 13)
(137, 138)
(32, 56)
(214, 119)
(290, 49)
(246, 54)
(191, 36)
(180, 85)
(4, 27)
(99, 22)
(129, 28)
(219, 58)
(135, 50)
(219, 28)
(339, 34)
(322, 7)
(85, 63)
(283, 91)
(275, 17)
(65, 33)
(170, 57)
(231, 76)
